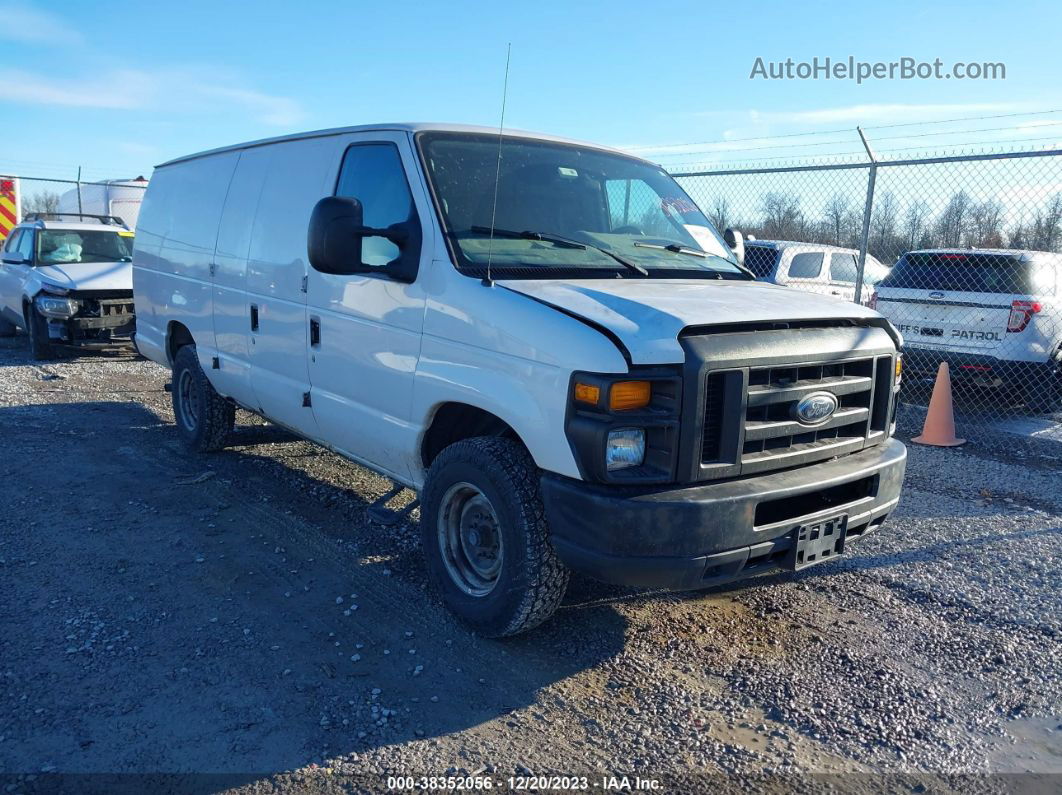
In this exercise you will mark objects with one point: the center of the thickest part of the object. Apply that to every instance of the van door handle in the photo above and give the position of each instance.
(254, 317)
(315, 332)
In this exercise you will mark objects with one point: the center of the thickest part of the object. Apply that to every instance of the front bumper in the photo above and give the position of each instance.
(698, 536)
(102, 331)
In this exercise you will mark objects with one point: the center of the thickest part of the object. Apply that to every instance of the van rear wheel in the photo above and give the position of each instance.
(204, 418)
(486, 540)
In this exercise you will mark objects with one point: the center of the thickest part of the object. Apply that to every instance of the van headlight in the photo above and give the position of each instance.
(56, 306)
(625, 448)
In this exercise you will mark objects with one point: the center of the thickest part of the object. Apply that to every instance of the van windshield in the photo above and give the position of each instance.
(566, 208)
(62, 246)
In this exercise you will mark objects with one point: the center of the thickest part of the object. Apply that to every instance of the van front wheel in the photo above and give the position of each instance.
(204, 418)
(486, 540)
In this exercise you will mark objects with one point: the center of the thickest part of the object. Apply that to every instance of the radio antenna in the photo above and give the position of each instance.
(497, 170)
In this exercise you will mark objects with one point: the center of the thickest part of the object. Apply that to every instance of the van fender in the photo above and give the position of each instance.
(530, 397)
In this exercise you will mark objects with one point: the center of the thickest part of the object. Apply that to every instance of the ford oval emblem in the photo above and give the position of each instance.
(815, 408)
(936, 295)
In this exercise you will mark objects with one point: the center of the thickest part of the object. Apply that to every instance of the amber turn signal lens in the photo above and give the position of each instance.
(585, 393)
(899, 367)
(626, 395)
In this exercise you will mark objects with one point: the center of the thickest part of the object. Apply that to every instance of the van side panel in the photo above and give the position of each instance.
(299, 174)
(232, 327)
(177, 232)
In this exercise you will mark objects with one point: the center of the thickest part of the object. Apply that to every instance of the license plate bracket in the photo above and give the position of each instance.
(818, 542)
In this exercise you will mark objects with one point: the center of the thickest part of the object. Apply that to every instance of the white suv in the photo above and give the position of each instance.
(813, 267)
(68, 283)
(994, 315)
(547, 340)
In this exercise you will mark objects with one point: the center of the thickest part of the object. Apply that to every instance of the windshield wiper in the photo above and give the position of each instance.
(678, 249)
(559, 240)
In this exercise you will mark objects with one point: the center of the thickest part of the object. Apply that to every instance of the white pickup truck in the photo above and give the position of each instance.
(547, 340)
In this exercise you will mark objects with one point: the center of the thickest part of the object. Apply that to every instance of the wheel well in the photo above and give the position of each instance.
(177, 336)
(456, 421)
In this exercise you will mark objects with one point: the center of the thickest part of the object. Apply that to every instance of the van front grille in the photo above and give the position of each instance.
(771, 437)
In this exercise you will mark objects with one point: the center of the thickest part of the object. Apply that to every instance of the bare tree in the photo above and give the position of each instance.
(952, 225)
(719, 213)
(1046, 232)
(835, 218)
(883, 225)
(782, 217)
(986, 224)
(43, 201)
(915, 224)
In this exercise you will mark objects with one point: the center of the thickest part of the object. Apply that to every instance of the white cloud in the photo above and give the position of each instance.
(27, 24)
(185, 90)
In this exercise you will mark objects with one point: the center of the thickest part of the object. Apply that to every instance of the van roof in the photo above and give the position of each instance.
(410, 127)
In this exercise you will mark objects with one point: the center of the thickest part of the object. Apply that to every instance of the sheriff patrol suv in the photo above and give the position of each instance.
(68, 282)
(994, 315)
(558, 353)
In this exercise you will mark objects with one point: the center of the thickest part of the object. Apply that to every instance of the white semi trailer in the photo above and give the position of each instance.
(118, 197)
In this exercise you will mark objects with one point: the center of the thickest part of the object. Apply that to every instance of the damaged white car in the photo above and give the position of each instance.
(68, 283)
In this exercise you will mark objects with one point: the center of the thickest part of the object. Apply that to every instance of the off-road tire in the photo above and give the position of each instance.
(215, 416)
(531, 582)
(37, 331)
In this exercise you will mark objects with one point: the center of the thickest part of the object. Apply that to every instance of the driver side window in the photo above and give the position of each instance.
(25, 245)
(373, 174)
(11, 244)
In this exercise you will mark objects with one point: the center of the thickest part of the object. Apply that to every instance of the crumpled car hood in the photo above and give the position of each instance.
(87, 275)
(648, 315)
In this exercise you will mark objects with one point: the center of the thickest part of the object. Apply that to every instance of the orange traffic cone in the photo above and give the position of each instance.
(939, 429)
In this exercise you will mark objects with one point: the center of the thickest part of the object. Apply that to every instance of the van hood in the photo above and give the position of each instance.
(648, 316)
(87, 275)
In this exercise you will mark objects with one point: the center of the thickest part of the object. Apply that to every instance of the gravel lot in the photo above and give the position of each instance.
(240, 613)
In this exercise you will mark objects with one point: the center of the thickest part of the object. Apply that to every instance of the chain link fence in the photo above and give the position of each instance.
(959, 252)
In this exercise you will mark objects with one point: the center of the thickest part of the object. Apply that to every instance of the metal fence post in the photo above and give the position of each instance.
(80, 209)
(868, 209)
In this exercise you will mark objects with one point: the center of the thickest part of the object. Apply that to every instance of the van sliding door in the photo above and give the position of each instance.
(298, 174)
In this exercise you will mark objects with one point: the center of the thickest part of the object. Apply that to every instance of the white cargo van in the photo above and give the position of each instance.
(546, 340)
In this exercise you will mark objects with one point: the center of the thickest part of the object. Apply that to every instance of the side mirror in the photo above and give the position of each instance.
(15, 259)
(337, 232)
(734, 239)
(333, 241)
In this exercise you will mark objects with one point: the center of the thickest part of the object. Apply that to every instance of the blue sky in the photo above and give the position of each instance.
(117, 86)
